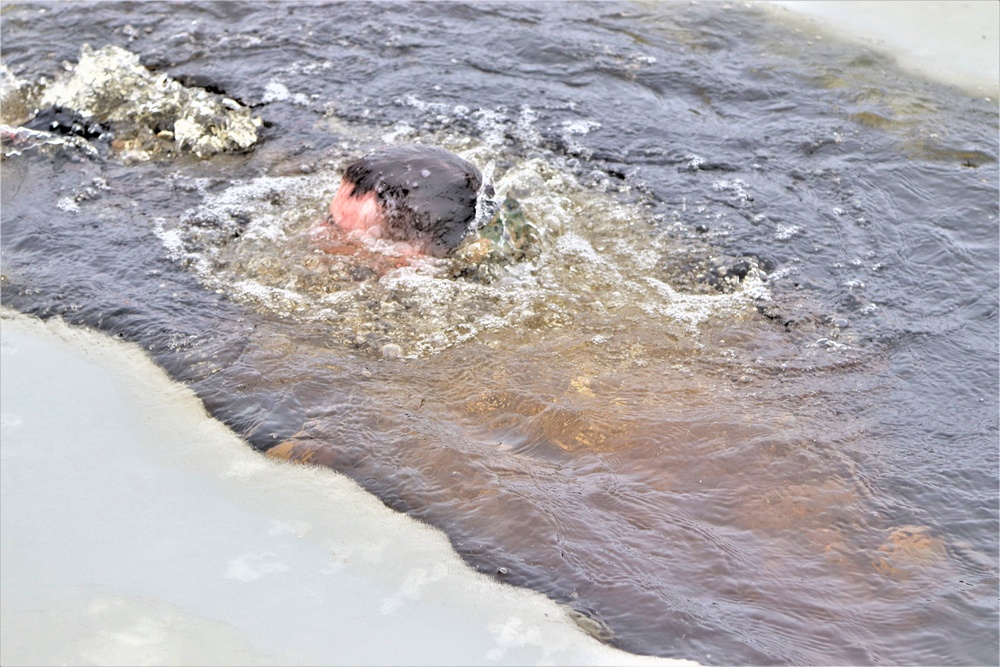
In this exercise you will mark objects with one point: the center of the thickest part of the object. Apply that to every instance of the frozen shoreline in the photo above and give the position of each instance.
(138, 530)
(957, 43)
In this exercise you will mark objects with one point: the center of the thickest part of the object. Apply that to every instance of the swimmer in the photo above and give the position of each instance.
(421, 199)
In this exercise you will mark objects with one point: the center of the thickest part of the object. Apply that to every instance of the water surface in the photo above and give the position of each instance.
(740, 408)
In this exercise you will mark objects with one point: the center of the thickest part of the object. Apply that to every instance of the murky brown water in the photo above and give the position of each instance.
(796, 465)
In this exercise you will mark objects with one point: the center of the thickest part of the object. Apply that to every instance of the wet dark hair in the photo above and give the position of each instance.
(427, 194)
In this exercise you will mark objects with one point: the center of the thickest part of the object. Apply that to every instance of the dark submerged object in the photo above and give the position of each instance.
(425, 196)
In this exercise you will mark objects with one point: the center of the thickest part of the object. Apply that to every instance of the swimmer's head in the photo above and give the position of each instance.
(420, 197)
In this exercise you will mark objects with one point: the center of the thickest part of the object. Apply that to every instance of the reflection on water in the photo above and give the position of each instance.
(740, 405)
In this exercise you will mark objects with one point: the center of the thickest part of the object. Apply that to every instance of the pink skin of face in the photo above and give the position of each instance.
(361, 218)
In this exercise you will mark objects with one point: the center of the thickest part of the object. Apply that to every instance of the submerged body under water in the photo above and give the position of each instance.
(734, 399)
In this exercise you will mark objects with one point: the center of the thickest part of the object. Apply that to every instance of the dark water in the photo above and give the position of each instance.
(801, 467)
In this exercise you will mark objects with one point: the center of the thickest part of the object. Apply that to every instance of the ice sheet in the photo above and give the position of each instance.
(952, 42)
(136, 530)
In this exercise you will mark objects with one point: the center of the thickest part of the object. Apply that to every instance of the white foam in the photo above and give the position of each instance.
(492, 126)
(170, 238)
(275, 92)
(68, 204)
(785, 232)
(579, 127)
(251, 240)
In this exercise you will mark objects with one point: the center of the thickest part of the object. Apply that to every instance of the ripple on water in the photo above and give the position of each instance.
(735, 406)
(259, 241)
